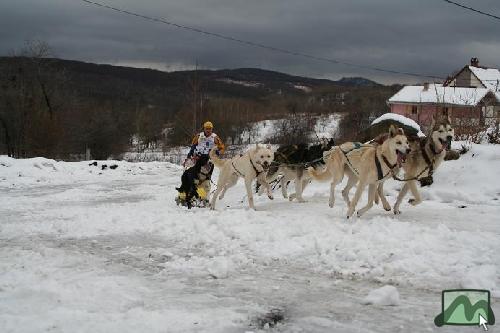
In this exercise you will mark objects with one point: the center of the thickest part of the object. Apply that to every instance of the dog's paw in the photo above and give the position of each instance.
(397, 212)
(330, 204)
(270, 197)
(358, 213)
(387, 208)
(413, 202)
(350, 212)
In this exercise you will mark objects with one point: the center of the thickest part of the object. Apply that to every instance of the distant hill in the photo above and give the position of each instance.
(240, 83)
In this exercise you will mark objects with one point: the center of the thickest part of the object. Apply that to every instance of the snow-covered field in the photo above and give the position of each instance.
(325, 127)
(90, 250)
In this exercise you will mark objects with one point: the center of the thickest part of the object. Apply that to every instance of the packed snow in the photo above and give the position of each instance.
(386, 295)
(400, 118)
(91, 250)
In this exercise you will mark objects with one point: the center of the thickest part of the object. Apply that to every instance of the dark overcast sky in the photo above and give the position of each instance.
(427, 36)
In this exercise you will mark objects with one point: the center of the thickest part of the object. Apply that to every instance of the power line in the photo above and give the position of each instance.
(472, 9)
(256, 44)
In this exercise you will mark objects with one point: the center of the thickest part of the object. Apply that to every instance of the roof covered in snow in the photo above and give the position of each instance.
(437, 94)
(489, 77)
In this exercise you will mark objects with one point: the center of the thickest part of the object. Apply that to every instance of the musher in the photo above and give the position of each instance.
(203, 142)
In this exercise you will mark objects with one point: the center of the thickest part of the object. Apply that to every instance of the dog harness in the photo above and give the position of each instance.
(380, 173)
(426, 157)
(253, 165)
(357, 145)
(255, 169)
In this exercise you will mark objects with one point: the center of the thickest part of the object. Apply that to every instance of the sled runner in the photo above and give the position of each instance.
(200, 201)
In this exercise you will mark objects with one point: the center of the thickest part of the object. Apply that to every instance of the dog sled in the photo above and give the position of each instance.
(195, 183)
(201, 201)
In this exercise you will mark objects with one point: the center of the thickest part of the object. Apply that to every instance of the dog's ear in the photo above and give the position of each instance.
(431, 126)
(257, 146)
(392, 131)
(448, 118)
(268, 146)
(401, 131)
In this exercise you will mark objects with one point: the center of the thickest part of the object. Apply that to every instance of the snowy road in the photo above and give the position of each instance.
(85, 250)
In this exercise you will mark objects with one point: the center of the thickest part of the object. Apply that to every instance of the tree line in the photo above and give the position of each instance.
(47, 110)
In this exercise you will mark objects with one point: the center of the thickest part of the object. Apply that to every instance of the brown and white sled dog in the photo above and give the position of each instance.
(366, 165)
(249, 166)
(426, 156)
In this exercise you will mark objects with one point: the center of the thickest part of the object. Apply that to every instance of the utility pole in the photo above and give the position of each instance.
(194, 85)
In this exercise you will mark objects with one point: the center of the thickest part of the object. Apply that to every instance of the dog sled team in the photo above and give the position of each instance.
(366, 166)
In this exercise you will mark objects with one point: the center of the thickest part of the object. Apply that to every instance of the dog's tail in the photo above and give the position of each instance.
(321, 176)
(218, 162)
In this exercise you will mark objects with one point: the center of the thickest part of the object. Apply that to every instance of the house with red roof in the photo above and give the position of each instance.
(471, 98)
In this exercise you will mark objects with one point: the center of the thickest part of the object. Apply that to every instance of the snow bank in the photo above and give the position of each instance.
(473, 179)
(41, 171)
(482, 277)
(386, 295)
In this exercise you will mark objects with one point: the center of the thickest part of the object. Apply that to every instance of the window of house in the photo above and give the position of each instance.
(414, 109)
(445, 111)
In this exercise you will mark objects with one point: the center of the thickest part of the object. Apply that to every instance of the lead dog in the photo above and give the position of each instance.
(365, 165)
(427, 154)
(249, 166)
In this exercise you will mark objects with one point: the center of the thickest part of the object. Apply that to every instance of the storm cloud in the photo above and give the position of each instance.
(425, 36)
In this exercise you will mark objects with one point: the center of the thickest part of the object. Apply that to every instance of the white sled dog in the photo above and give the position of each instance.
(426, 156)
(249, 166)
(366, 165)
